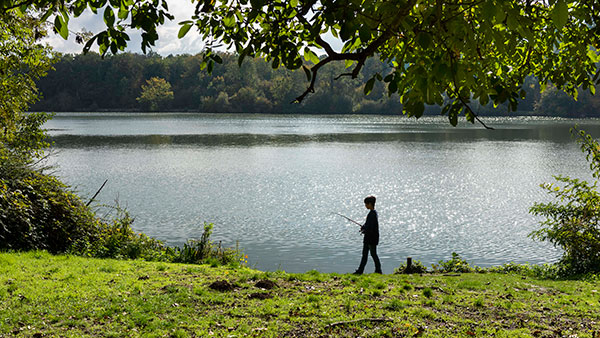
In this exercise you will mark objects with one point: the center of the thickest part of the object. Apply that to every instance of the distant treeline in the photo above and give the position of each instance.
(91, 83)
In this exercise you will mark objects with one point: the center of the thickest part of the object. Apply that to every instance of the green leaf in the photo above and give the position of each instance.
(216, 58)
(109, 16)
(369, 86)
(418, 109)
(88, 44)
(424, 39)
(560, 14)
(453, 118)
(453, 113)
(229, 21)
(185, 28)
(123, 13)
(61, 27)
(347, 30)
(275, 63)
(489, 11)
(46, 15)
(364, 33)
(500, 14)
(309, 55)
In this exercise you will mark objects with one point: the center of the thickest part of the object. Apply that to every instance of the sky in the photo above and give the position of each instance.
(168, 42)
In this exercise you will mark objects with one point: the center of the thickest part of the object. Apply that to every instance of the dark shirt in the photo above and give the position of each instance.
(371, 229)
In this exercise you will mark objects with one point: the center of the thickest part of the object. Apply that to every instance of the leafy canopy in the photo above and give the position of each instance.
(439, 52)
(22, 62)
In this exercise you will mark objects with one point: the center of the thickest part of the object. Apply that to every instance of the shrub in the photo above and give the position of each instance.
(539, 271)
(455, 264)
(116, 239)
(416, 267)
(203, 250)
(37, 211)
(573, 221)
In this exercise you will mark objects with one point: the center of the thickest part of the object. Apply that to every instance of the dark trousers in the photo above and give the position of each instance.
(365, 253)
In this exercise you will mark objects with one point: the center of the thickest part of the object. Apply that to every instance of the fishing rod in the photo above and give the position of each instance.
(348, 218)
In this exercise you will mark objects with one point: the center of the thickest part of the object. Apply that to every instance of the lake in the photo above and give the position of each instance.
(273, 182)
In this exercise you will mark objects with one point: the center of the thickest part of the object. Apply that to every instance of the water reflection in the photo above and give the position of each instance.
(557, 134)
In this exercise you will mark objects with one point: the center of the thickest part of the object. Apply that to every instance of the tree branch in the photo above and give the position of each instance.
(360, 56)
(311, 87)
(457, 93)
(468, 107)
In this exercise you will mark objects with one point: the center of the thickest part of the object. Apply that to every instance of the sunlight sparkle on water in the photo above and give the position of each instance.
(272, 182)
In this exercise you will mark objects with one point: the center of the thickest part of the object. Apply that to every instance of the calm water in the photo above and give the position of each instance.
(273, 182)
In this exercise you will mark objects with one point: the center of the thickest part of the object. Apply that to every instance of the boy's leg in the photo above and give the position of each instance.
(373, 249)
(363, 260)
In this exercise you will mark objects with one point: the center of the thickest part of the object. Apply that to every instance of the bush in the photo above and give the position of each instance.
(456, 264)
(416, 267)
(38, 212)
(116, 239)
(572, 223)
(204, 251)
(539, 271)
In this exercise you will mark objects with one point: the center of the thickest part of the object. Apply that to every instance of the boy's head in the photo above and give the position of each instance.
(370, 202)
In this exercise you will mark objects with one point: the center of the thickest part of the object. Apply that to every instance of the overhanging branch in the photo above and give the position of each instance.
(359, 56)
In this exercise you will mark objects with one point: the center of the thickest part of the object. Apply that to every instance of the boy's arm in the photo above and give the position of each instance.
(368, 223)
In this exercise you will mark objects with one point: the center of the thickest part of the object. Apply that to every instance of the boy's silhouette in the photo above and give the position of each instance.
(371, 232)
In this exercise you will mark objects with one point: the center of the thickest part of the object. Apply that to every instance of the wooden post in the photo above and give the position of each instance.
(408, 263)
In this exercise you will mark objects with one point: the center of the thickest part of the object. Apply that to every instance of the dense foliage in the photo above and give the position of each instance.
(37, 211)
(156, 94)
(435, 52)
(572, 221)
(84, 82)
(90, 83)
(22, 62)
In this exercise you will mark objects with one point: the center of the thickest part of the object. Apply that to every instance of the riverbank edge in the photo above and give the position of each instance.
(43, 295)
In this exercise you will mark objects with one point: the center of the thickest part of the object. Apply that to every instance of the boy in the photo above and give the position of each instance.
(371, 231)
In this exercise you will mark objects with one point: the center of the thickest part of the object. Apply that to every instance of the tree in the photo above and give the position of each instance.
(36, 210)
(444, 52)
(156, 94)
(22, 61)
(573, 221)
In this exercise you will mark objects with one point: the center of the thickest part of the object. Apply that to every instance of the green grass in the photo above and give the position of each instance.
(67, 296)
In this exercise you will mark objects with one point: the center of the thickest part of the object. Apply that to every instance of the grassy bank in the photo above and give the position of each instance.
(43, 295)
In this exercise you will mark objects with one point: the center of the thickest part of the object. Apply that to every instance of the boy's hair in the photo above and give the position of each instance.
(370, 199)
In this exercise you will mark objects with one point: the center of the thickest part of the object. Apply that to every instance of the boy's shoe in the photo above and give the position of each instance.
(357, 272)
(379, 272)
